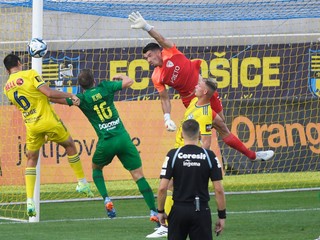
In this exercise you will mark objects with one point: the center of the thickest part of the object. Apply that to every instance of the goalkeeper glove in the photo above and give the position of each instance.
(139, 22)
(170, 125)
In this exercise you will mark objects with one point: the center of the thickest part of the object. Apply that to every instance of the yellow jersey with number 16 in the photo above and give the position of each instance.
(22, 90)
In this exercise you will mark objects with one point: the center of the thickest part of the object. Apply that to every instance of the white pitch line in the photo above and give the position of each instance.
(276, 211)
(137, 217)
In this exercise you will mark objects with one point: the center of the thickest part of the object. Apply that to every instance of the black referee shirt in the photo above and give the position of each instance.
(191, 167)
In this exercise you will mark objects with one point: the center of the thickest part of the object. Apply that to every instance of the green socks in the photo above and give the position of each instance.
(99, 182)
(147, 193)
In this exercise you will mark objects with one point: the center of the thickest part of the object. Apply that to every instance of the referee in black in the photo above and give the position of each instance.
(191, 167)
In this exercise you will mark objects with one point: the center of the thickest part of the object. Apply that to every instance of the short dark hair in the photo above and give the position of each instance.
(211, 83)
(151, 46)
(190, 129)
(11, 61)
(85, 78)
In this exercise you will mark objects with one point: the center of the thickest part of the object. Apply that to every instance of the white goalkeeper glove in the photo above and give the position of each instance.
(139, 22)
(170, 125)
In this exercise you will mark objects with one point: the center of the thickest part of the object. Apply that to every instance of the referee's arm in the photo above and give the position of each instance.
(162, 194)
(221, 205)
(219, 193)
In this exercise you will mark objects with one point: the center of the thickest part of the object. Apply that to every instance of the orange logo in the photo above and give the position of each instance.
(19, 81)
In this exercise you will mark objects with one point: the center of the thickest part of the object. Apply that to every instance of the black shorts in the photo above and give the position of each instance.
(183, 220)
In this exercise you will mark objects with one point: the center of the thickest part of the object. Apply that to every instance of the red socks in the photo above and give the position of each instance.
(234, 142)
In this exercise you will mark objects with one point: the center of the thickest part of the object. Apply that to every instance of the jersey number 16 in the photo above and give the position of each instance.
(103, 112)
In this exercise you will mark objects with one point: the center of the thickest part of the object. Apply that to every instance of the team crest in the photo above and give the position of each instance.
(314, 73)
(61, 73)
(169, 64)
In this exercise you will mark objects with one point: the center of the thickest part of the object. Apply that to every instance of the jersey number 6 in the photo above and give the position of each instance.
(21, 100)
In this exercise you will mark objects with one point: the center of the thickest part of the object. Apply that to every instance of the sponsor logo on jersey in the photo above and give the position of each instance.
(10, 85)
(188, 163)
(165, 163)
(110, 125)
(175, 74)
(163, 172)
(191, 156)
(164, 166)
(218, 162)
(19, 81)
(32, 120)
(27, 114)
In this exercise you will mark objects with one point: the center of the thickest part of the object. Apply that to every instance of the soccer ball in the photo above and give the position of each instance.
(37, 48)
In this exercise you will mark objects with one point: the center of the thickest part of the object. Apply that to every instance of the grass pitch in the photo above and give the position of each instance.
(262, 216)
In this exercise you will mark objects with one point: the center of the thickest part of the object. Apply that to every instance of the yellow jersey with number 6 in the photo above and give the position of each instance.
(22, 90)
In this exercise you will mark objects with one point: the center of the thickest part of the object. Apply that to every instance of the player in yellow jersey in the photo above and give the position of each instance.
(200, 110)
(29, 93)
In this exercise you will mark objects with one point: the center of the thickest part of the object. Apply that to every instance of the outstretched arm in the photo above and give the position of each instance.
(56, 96)
(66, 101)
(126, 81)
(59, 100)
(165, 101)
(166, 108)
(52, 93)
(140, 23)
(164, 42)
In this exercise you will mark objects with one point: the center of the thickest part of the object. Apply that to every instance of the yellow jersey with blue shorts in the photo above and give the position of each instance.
(41, 121)
(202, 114)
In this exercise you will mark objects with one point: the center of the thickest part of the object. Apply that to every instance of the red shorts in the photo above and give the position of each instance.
(215, 103)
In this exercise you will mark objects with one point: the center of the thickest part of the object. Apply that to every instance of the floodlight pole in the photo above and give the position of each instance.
(37, 26)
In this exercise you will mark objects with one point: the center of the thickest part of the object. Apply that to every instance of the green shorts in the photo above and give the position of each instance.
(120, 146)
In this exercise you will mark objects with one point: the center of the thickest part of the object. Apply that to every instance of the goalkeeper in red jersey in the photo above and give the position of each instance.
(174, 69)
